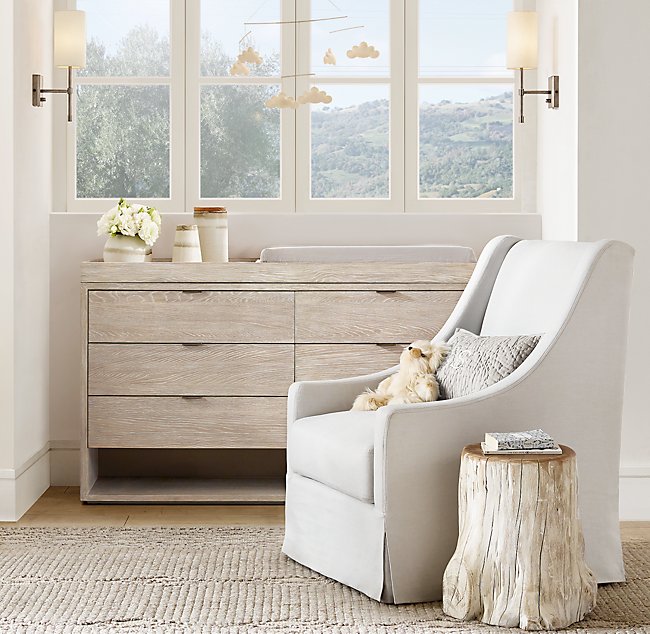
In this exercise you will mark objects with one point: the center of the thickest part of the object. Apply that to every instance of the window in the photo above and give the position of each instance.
(425, 126)
(462, 93)
(347, 157)
(128, 137)
(239, 152)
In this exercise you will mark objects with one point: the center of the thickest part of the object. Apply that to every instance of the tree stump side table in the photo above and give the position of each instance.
(519, 561)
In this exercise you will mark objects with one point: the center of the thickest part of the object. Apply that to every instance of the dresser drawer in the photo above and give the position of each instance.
(371, 316)
(190, 316)
(189, 369)
(187, 423)
(331, 361)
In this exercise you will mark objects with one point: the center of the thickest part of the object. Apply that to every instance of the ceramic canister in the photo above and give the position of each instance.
(186, 244)
(213, 233)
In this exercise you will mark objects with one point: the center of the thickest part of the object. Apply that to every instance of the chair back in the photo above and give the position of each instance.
(538, 285)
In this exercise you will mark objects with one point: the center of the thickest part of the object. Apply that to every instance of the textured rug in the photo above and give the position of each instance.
(229, 580)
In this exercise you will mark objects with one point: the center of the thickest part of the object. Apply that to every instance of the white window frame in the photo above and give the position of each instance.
(295, 138)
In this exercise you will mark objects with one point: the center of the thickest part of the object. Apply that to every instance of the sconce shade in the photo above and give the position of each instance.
(70, 39)
(522, 40)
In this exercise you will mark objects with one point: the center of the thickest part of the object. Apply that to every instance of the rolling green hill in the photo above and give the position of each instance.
(465, 149)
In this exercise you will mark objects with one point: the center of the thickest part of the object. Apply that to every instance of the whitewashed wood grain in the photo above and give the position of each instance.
(177, 369)
(183, 317)
(520, 555)
(277, 286)
(180, 423)
(371, 317)
(88, 458)
(336, 361)
(277, 272)
(203, 490)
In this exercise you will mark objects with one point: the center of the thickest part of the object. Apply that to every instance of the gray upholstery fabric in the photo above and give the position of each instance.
(476, 362)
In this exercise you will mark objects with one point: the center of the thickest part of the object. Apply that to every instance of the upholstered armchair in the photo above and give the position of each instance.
(372, 496)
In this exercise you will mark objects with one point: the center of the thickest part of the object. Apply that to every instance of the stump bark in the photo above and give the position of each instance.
(519, 561)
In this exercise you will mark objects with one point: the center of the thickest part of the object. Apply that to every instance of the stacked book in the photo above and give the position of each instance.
(535, 441)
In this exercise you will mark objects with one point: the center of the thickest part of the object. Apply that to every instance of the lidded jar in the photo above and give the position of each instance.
(213, 232)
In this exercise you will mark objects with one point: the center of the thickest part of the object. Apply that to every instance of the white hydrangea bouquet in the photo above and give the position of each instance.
(132, 230)
(131, 219)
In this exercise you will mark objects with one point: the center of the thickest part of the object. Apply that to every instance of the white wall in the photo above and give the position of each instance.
(594, 172)
(614, 169)
(557, 130)
(6, 259)
(28, 475)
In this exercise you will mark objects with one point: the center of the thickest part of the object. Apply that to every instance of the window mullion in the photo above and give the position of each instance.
(192, 103)
(177, 105)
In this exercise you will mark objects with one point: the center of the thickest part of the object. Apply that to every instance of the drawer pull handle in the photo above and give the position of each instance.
(385, 292)
(191, 290)
(193, 344)
(192, 398)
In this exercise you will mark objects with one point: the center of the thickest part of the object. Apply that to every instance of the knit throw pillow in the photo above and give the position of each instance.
(475, 362)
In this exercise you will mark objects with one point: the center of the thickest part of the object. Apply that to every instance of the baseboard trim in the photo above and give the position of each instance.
(635, 471)
(32, 480)
(14, 474)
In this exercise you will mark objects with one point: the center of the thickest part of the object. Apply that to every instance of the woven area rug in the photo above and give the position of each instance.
(230, 580)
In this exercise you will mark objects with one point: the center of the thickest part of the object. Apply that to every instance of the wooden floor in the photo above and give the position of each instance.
(60, 506)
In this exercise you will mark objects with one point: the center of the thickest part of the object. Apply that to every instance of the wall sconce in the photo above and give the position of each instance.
(69, 52)
(522, 55)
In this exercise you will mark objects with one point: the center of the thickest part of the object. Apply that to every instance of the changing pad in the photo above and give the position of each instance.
(416, 253)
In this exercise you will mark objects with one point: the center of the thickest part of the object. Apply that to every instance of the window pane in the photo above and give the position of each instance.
(126, 38)
(240, 142)
(373, 15)
(350, 143)
(222, 29)
(463, 37)
(466, 141)
(123, 141)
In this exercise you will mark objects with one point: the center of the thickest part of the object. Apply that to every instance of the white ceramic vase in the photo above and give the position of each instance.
(213, 233)
(186, 244)
(121, 248)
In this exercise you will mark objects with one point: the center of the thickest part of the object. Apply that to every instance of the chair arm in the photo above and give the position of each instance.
(312, 398)
(416, 465)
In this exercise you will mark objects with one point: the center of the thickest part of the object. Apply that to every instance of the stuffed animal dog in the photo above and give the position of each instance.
(415, 382)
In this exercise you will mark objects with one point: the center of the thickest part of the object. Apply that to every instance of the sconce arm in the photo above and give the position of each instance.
(553, 93)
(38, 91)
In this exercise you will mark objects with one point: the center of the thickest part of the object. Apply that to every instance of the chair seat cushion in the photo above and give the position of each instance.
(336, 450)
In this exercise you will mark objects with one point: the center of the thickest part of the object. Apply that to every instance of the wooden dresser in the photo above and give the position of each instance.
(186, 367)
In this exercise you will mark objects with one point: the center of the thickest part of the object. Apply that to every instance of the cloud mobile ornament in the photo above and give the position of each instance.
(248, 56)
(314, 95)
(329, 57)
(281, 100)
(239, 68)
(363, 50)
